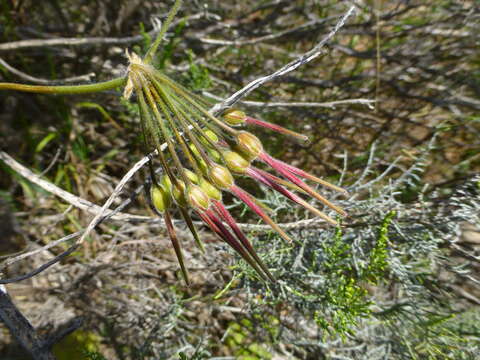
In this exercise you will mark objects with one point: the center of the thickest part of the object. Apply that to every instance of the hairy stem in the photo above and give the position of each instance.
(66, 89)
(153, 49)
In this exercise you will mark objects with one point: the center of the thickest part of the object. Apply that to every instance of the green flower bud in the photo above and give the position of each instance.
(220, 177)
(166, 183)
(234, 117)
(179, 193)
(161, 199)
(191, 176)
(203, 166)
(209, 134)
(249, 145)
(236, 162)
(210, 190)
(194, 149)
(197, 197)
(215, 155)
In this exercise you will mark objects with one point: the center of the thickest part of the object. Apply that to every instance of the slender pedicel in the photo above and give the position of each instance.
(191, 227)
(161, 199)
(176, 246)
(228, 218)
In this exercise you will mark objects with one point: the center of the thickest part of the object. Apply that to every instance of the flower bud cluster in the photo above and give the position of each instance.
(201, 155)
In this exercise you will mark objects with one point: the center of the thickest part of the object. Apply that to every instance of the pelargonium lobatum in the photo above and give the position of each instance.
(203, 157)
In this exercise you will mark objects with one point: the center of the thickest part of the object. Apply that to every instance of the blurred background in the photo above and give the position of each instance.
(400, 281)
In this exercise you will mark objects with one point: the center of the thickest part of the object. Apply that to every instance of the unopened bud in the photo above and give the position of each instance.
(161, 199)
(236, 162)
(194, 149)
(210, 135)
(213, 153)
(191, 176)
(179, 193)
(197, 197)
(166, 183)
(220, 177)
(234, 117)
(249, 145)
(210, 190)
(203, 166)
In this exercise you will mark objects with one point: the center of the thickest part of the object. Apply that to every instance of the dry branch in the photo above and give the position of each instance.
(88, 41)
(21, 329)
(36, 80)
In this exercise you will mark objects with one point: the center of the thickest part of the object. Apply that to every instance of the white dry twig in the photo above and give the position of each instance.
(266, 37)
(328, 104)
(78, 202)
(36, 80)
(87, 41)
(305, 58)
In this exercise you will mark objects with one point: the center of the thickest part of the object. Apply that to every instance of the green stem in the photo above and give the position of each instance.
(153, 106)
(181, 141)
(146, 119)
(185, 127)
(66, 89)
(153, 49)
(194, 123)
(191, 101)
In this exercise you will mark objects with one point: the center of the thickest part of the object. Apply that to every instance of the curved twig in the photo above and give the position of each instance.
(88, 41)
(327, 104)
(305, 58)
(24, 76)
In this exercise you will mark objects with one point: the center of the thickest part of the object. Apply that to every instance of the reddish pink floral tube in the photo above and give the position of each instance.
(274, 127)
(280, 168)
(246, 198)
